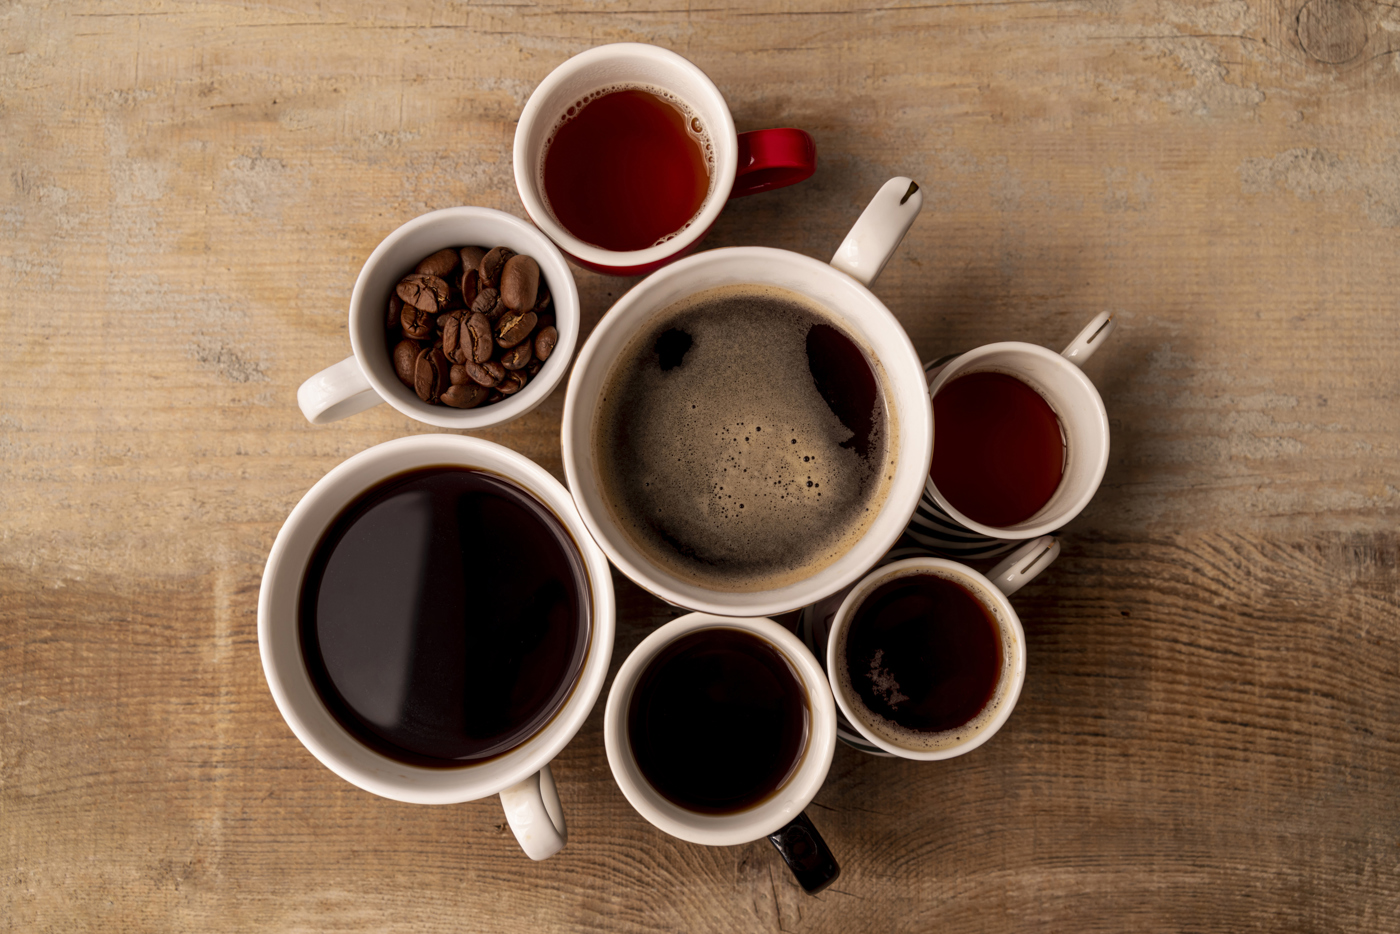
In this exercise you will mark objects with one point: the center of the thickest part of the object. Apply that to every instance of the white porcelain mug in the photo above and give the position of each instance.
(840, 288)
(367, 378)
(780, 816)
(742, 163)
(824, 629)
(520, 776)
(1058, 379)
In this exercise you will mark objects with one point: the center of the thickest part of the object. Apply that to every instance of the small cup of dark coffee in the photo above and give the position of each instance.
(926, 657)
(435, 624)
(720, 731)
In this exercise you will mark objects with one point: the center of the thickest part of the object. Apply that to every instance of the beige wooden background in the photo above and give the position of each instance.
(1208, 737)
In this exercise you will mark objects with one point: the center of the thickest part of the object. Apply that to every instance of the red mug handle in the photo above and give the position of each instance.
(771, 159)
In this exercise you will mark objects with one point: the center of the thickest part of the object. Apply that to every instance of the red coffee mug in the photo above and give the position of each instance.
(741, 163)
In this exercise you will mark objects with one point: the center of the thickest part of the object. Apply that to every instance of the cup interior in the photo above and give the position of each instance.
(622, 64)
(395, 258)
(279, 641)
(1083, 422)
(860, 313)
(740, 826)
(953, 742)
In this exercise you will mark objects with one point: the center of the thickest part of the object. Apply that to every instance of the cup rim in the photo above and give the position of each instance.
(1099, 415)
(524, 160)
(841, 620)
(568, 319)
(751, 823)
(898, 502)
(377, 773)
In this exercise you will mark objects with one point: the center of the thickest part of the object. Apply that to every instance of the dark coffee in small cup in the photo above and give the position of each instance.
(718, 721)
(444, 616)
(924, 656)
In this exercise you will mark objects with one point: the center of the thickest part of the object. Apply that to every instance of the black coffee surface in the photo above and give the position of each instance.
(743, 439)
(923, 653)
(718, 721)
(445, 616)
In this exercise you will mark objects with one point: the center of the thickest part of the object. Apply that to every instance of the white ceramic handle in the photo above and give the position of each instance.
(336, 392)
(532, 807)
(1090, 339)
(876, 235)
(1024, 564)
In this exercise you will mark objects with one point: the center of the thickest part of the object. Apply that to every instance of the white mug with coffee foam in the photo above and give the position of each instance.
(366, 378)
(840, 289)
(521, 776)
(992, 591)
(1077, 405)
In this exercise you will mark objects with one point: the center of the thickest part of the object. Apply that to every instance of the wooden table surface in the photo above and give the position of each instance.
(1207, 740)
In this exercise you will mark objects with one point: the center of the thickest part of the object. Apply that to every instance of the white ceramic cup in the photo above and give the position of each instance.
(758, 161)
(840, 289)
(1057, 377)
(770, 816)
(367, 378)
(992, 590)
(521, 776)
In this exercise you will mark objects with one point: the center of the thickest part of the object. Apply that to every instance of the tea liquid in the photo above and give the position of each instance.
(626, 169)
(998, 454)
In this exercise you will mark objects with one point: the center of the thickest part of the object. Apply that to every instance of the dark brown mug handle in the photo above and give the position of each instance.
(806, 854)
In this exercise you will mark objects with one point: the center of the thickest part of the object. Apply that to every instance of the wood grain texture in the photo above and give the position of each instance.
(1208, 736)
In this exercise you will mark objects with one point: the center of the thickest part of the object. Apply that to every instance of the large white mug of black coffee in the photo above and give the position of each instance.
(926, 657)
(720, 731)
(1020, 444)
(435, 624)
(748, 429)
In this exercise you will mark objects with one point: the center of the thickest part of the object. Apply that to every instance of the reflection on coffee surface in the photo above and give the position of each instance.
(718, 721)
(743, 440)
(998, 450)
(444, 616)
(924, 657)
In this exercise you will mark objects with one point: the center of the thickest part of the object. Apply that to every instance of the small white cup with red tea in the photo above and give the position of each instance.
(367, 377)
(626, 154)
(926, 657)
(1021, 444)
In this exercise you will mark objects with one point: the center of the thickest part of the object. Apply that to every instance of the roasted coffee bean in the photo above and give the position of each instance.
(479, 339)
(546, 339)
(417, 324)
(465, 396)
(454, 300)
(428, 293)
(543, 301)
(534, 368)
(469, 285)
(472, 256)
(440, 264)
(458, 375)
(518, 356)
(405, 359)
(395, 310)
(514, 327)
(492, 264)
(451, 332)
(520, 280)
(512, 383)
(487, 301)
(431, 375)
(494, 397)
(486, 374)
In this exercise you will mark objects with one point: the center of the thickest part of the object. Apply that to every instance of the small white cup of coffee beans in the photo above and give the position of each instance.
(470, 326)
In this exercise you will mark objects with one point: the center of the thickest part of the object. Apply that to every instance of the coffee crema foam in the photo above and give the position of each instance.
(717, 453)
(917, 740)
